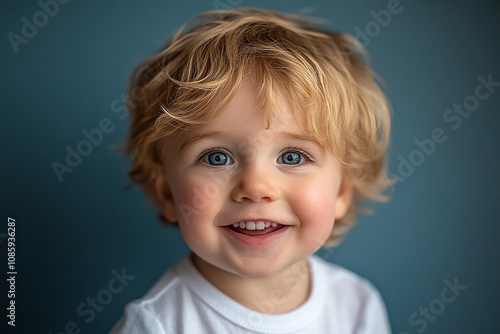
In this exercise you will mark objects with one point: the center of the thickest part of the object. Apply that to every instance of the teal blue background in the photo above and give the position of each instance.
(442, 222)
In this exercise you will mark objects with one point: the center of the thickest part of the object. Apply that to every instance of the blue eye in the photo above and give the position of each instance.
(291, 158)
(217, 159)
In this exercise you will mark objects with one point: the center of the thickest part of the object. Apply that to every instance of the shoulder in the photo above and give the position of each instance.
(351, 298)
(150, 313)
(340, 279)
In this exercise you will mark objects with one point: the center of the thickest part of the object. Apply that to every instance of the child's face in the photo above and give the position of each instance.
(238, 169)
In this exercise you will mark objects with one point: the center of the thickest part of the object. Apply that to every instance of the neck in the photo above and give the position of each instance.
(276, 294)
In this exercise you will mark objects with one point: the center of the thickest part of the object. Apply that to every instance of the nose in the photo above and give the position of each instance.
(256, 184)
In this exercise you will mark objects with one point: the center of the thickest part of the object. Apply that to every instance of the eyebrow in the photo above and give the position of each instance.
(221, 134)
(196, 138)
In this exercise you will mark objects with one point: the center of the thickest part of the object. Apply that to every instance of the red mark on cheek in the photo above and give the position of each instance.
(191, 203)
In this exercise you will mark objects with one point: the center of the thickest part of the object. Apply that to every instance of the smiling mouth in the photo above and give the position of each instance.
(255, 228)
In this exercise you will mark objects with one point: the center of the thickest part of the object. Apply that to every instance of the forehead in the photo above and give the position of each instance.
(251, 110)
(247, 120)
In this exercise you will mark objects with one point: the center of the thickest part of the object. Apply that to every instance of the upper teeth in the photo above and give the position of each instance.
(260, 225)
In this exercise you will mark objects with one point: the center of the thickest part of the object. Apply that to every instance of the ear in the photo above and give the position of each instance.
(344, 198)
(160, 188)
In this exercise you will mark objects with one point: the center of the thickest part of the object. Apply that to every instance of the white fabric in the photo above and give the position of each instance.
(183, 301)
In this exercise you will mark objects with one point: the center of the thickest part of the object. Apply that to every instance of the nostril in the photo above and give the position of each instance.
(255, 199)
(256, 186)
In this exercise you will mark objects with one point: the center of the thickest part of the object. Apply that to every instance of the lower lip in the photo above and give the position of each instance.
(257, 240)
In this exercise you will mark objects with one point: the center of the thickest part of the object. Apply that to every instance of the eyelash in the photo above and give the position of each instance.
(307, 156)
(212, 150)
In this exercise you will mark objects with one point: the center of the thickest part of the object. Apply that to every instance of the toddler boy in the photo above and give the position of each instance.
(260, 135)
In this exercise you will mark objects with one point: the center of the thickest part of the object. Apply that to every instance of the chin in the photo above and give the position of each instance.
(255, 269)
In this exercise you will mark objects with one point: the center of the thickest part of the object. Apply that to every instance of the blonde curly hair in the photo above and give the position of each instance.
(325, 75)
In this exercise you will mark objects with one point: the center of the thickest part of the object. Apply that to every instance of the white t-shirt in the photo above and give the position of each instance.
(183, 301)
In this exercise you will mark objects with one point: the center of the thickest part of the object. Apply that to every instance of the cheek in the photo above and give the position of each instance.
(317, 197)
(191, 199)
(315, 206)
(197, 206)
